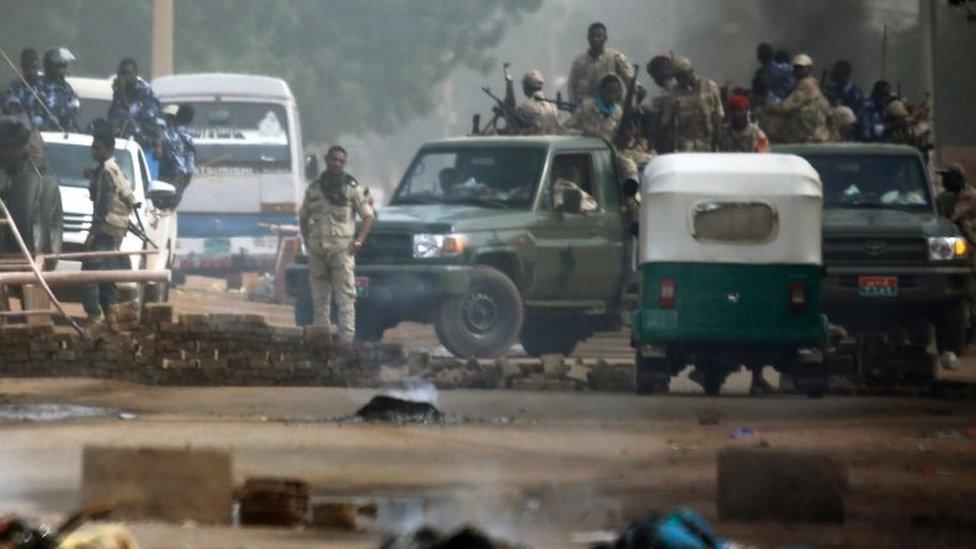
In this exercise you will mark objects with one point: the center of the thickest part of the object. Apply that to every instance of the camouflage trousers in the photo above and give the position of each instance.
(332, 276)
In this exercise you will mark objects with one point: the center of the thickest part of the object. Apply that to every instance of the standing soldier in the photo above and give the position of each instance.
(742, 134)
(597, 62)
(328, 224)
(541, 116)
(56, 93)
(841, 90)
(661, 70)
(113, 203)
(694, 110)
(806, 111)
(135, 109)
(20, 94)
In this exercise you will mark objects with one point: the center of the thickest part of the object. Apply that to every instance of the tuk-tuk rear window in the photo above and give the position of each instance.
(741, 222)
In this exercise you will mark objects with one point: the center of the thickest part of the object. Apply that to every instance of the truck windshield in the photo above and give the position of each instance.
(240, 137)
(496, 177)
(852, 181)
(69, 161)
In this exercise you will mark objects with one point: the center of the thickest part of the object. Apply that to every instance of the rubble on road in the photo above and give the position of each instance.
(273, 502)
(429, 538)
(161, 348)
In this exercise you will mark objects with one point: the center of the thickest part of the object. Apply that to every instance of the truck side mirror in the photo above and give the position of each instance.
(162, 195)
(311, 167)
(570, 201)
(630, 188)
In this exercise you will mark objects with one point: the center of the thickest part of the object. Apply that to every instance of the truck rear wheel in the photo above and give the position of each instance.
(485, 320)
(653, 376)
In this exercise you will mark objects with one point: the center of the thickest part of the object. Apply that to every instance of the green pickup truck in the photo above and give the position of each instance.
(479, 241)
(892, 264)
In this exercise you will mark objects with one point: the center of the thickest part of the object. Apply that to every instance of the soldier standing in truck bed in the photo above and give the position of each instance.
(595, 63)
(328, 224)
(541, 116)
(693, 110)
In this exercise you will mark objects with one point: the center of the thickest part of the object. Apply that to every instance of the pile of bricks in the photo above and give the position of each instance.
(159, 347)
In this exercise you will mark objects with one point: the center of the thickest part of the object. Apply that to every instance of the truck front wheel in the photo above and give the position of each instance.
(953, 325)
(485, 320)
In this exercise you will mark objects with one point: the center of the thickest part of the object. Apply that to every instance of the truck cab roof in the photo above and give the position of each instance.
(539, 141)
(870, 149)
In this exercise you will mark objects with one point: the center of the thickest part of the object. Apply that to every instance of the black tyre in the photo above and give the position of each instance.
(653, 376)
(713, 381)
(953, 328)
(304, 311)
(52, 220)
(548, 336)
(483, 322)
(369, 327)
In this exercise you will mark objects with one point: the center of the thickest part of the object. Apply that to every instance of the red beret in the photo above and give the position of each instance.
(738, 102)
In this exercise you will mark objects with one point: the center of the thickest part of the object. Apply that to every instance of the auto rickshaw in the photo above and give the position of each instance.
(730, 270)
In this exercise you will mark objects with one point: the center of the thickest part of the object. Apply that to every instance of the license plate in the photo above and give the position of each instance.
(362, 286)
(878, 286)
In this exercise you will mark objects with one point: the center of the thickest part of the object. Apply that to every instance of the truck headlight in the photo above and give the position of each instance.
(427, 246)
(948, 248)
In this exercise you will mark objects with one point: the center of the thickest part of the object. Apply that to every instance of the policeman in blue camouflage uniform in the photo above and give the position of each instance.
(56, 93)
(871, 124)
(177, 163)
(18, 95)
(135, 111)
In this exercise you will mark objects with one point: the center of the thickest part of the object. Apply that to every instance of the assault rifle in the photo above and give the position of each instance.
(565, 106)
(513, 120)
(629, 107)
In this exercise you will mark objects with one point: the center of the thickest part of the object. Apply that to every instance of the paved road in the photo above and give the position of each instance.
(533, 467)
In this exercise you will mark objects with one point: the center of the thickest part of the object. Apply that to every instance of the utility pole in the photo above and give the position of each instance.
(927, 24)
(162, 38)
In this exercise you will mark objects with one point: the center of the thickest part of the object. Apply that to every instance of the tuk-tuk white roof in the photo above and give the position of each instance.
(675, 184)
(731, 173)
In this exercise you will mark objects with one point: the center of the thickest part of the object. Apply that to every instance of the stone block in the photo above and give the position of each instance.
(337, 515)
(554, 365)
(773, 484)
(160, 484)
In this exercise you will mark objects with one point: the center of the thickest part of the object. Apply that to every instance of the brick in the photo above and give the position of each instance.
(162, 484)
(767, 483)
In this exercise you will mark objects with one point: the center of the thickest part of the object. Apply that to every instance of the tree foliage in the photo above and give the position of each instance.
(355, 65)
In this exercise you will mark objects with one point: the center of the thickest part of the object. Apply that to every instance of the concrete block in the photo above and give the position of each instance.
(554, 365)
(767, 483)
(338, 515)
(160, 483)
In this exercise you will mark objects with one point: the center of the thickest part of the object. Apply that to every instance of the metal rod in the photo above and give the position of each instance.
(36, 272)
(82, 255)
(33, 312)
(65, 278)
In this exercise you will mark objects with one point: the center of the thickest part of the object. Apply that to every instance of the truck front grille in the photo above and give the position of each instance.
(76, 223)
(381, 247)
(861, 250)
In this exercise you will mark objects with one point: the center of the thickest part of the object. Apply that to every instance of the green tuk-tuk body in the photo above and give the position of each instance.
(730, 269)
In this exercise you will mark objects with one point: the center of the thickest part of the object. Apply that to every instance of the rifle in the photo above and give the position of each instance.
(621, 138)
(566, 106)
(509, 86)
(512, 117)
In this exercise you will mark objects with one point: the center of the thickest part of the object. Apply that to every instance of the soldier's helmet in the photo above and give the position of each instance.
(58, 56)
(534, 78)
(683, 65)
(802, 60)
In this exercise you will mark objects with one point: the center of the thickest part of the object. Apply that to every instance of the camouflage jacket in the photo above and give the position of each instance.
(178, 159)
(694, 115)
(60, 99)
(542, 117)
(136, 112)
(590, 120)
(587, 71)
(19, 92)
(750, 140)
(114, 200)
(807, 112)
(328, 213)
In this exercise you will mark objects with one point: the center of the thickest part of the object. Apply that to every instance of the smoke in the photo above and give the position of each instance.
(414, 390)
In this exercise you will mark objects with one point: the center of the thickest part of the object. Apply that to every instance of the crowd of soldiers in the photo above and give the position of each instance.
(48, 103)
(691, 113)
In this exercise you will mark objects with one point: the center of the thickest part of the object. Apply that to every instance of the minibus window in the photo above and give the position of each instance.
(741, 222)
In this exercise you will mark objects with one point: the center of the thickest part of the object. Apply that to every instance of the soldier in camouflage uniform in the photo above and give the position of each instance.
(693, 110)
(541, 116)
(597, 62)
(599, 116)
(740, 133)
(806, 113)
(661, 70)
(328, 223)
(56, 93)
(113, 203)
(135, 110)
